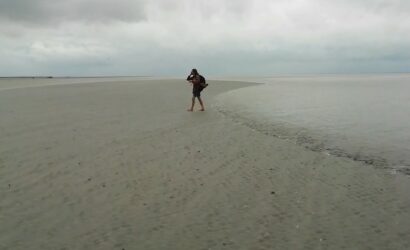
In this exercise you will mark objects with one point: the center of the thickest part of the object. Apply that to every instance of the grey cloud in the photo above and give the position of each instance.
(166, 37)
(378, 7)
(49, 12)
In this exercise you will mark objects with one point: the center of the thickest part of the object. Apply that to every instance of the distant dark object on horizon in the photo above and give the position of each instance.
(26, 77)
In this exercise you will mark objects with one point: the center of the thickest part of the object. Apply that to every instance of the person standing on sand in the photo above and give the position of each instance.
(197, 86)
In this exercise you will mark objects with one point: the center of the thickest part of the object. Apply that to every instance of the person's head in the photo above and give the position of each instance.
(194, 72)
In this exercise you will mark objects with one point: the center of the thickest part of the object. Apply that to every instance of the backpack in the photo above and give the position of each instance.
(202, 81)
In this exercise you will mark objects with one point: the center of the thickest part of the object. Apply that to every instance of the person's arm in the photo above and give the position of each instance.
(189, 79)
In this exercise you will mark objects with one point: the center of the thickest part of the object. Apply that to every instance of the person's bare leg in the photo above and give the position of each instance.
(202, 104)
(192, 105)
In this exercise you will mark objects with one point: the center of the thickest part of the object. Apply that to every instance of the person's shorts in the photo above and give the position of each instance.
(196, 92)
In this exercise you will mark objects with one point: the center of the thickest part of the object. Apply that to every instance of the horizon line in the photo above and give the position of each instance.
(218, 75)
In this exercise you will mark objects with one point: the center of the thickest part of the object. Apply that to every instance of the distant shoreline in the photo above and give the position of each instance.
(26, 77)
(214, 76)
(65, 77)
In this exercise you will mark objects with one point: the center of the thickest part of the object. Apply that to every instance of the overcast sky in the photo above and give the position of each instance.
(219, 37)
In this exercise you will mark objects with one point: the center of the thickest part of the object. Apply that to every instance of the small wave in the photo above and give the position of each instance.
(305, 138)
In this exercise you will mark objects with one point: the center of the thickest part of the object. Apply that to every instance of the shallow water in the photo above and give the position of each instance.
(363, 117)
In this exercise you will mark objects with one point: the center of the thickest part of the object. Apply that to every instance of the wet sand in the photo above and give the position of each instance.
(122, 165)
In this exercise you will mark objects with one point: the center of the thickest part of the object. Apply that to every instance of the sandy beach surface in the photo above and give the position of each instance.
(122, 165)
